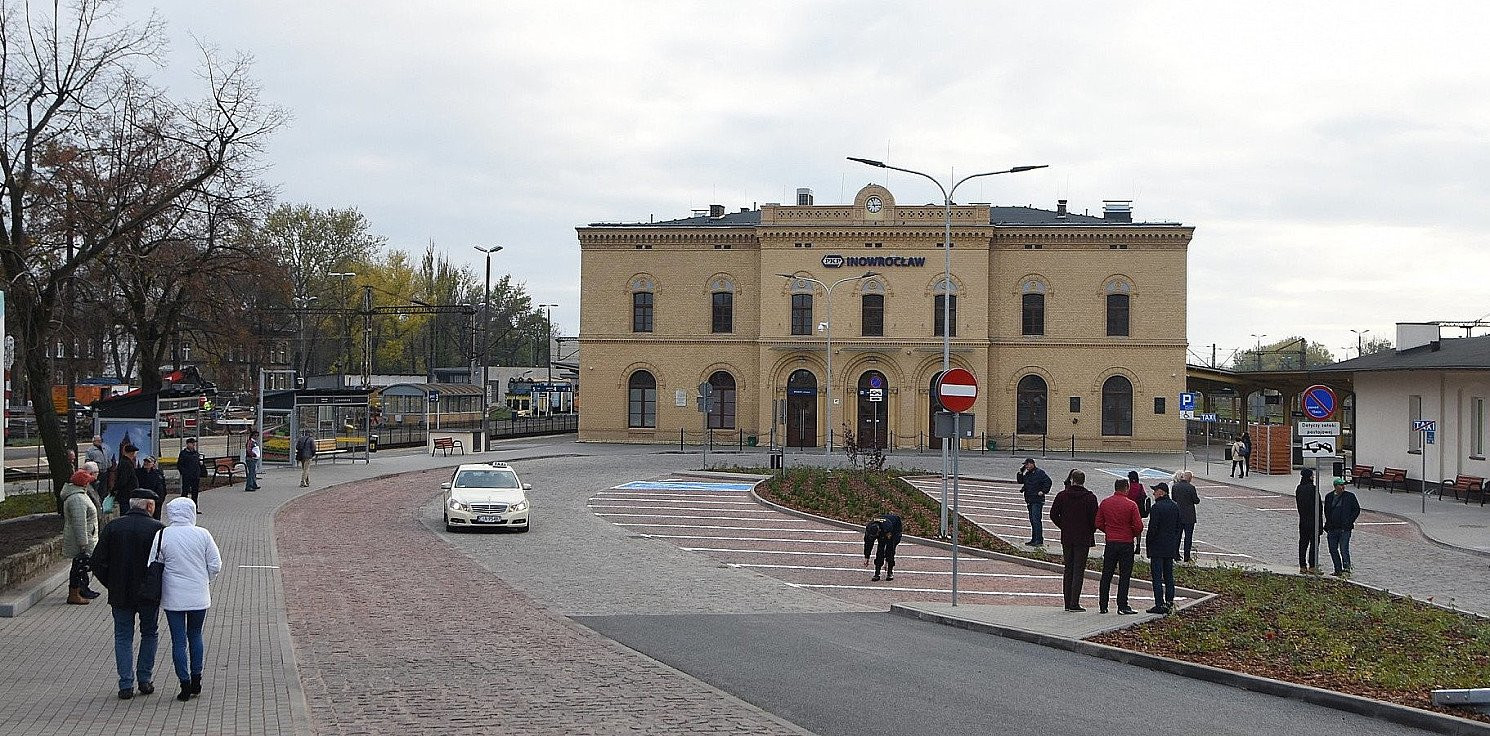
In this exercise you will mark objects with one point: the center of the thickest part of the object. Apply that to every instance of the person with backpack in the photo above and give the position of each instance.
(1246, 442)
(305, 451)
(1235, 451)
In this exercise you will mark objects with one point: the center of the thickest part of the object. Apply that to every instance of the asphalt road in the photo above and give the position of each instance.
(876, 673)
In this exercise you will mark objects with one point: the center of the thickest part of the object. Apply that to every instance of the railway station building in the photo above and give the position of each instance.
(1073, 324)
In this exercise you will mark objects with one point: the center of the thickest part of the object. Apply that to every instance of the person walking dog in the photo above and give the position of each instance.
(191, 561)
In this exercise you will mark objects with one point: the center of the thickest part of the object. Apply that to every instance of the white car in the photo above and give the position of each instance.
(486, 495)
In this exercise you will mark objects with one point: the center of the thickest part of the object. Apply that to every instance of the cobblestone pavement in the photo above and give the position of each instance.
(398, 633)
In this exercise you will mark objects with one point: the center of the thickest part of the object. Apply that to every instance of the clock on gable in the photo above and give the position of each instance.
(873, 204)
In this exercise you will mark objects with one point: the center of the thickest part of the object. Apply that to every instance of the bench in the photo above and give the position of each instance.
(447, 444)
(1465, 484)
(326, 449)
(1391, 477)
(1357, 472)
(225, 466)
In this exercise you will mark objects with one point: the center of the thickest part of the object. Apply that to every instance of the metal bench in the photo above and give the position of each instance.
(1359, 472)
(447, 444)
(225, 466)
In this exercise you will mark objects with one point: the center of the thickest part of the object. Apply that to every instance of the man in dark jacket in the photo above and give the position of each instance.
(1306, 498)
(1075, 514)
(1034, 484)
(884, 529)
(305, 451)
(152, 479)
(125, 478)
(1187, 498)
(1163, 542)
(189, 465)
(1341, 509)
(119, 562)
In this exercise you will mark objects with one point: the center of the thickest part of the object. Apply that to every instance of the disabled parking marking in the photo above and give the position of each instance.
(681, 500)
(667, 485)
(748, 539)
(942, 591)
(1142, 473)
(756, 510)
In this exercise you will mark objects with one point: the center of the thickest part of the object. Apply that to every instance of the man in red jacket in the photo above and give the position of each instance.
(1118, 518)
(1075, 514)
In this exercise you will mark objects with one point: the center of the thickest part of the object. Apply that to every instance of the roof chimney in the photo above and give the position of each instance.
(716, 211)
(1060, 208)
(1117, 210)
(804, 196)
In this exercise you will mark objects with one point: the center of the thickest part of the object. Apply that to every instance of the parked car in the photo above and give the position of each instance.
(486, 495)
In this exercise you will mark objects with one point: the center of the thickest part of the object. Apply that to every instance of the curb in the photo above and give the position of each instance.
(18, 600)
(1391, 712)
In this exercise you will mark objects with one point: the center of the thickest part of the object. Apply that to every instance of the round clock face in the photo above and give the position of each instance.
(873, 204)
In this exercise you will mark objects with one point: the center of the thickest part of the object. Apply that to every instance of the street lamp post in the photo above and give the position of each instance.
(946, 277)
(1257, 356)
(1358, 341)
(303, 302)
(486, 346)
(828, 346)
(548, 339)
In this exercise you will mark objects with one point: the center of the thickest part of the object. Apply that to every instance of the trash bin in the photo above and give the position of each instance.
(1339, 469)
(751, 440)
(778, 459)
(476, 443)
(372, 443)
(993, 444)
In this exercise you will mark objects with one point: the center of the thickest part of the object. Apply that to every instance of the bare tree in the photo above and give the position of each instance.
(70, 82)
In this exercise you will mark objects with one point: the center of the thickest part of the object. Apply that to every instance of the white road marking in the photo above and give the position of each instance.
(744, 528)
(756, 510)
(1235, 498)
(900, 589)
(680, 516)
(678, 500)
(1381, 523)
(259, 567)
(749, 539)
(899, 572)
(803, 553)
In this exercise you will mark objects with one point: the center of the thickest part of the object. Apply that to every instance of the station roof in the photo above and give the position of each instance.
(997, 216)
(1456, 353)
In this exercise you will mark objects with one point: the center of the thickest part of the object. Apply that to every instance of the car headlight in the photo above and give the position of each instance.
(457, 505)
(519, 506)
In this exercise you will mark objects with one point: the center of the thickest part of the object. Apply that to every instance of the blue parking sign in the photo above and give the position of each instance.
(1187, 401)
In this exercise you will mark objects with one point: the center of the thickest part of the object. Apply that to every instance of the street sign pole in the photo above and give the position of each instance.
(956, 514)
(1424, 484)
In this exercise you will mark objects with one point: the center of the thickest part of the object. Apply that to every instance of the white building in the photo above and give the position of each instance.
(1428, 377)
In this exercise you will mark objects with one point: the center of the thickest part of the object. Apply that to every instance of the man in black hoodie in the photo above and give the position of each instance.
(884, 529)
(119, 562)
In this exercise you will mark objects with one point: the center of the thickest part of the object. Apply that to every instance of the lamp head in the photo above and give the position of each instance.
(868, 161)
(1018, 169)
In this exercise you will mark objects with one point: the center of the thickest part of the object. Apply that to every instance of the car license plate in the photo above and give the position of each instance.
(487, 519)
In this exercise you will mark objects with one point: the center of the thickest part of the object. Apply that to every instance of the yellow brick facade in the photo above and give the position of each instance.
(999, 254)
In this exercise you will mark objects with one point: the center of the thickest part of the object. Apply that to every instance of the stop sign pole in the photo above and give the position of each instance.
(956, 391)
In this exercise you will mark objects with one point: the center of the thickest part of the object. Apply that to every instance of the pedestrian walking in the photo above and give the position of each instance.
(1034, 484)
(150, 476)
(1074, 512)
(305, 451)
(120, 561)
(1341, 509)
(885, 530)
(251, 455)
(79, 535)
(126, 478)
(1246, 453)
(1163, 543)
(1117, 517)
(191, 561)
(1306, 498)
(99, 455)
(1235, 450)
(192, 468)
(1187, 498)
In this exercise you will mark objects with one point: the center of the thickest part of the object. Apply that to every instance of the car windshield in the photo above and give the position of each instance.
(486, 479)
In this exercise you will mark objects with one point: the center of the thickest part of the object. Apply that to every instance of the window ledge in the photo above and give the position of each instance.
(1476, 457)
(1414, 452)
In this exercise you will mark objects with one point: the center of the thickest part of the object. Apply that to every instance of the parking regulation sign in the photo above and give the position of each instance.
(1187, 401)
(1319, 402)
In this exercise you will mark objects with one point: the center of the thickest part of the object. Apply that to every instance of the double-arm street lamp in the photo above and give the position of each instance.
(485, 344)
(828, 346)
(1359, 343)
(346, 324)
(946, 276)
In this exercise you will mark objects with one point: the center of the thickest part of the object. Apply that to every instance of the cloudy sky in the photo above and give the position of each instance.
(1333, 157)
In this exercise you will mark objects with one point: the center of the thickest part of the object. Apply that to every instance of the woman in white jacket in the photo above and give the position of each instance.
(191, 562)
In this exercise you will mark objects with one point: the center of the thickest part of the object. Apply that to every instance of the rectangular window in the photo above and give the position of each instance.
(872, 315)
(723, 312)
(1477, 427)
(642, 407)
(1117, 315)
(1033, 308)
(1414, 413)
(1159, 405)
(938, 319)
(722, 409)
(801, 314)
(641, 311)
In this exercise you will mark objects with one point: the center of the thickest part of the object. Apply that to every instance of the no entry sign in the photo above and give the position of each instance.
(957, 390)
(1319, 402)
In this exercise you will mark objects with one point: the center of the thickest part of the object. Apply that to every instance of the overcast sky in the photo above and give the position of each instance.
(1333, 157)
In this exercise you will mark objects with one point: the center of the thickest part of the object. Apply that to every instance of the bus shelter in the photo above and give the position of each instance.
(414, 413)
(339, 419)
(158, 423)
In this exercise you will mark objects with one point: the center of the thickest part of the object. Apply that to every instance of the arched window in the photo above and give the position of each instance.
(641, 400)
(721, 306)
(1117, 407)
(872, 309)
(1119, 298)
(722, 411)
(1030, 405)
(1032, 307)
